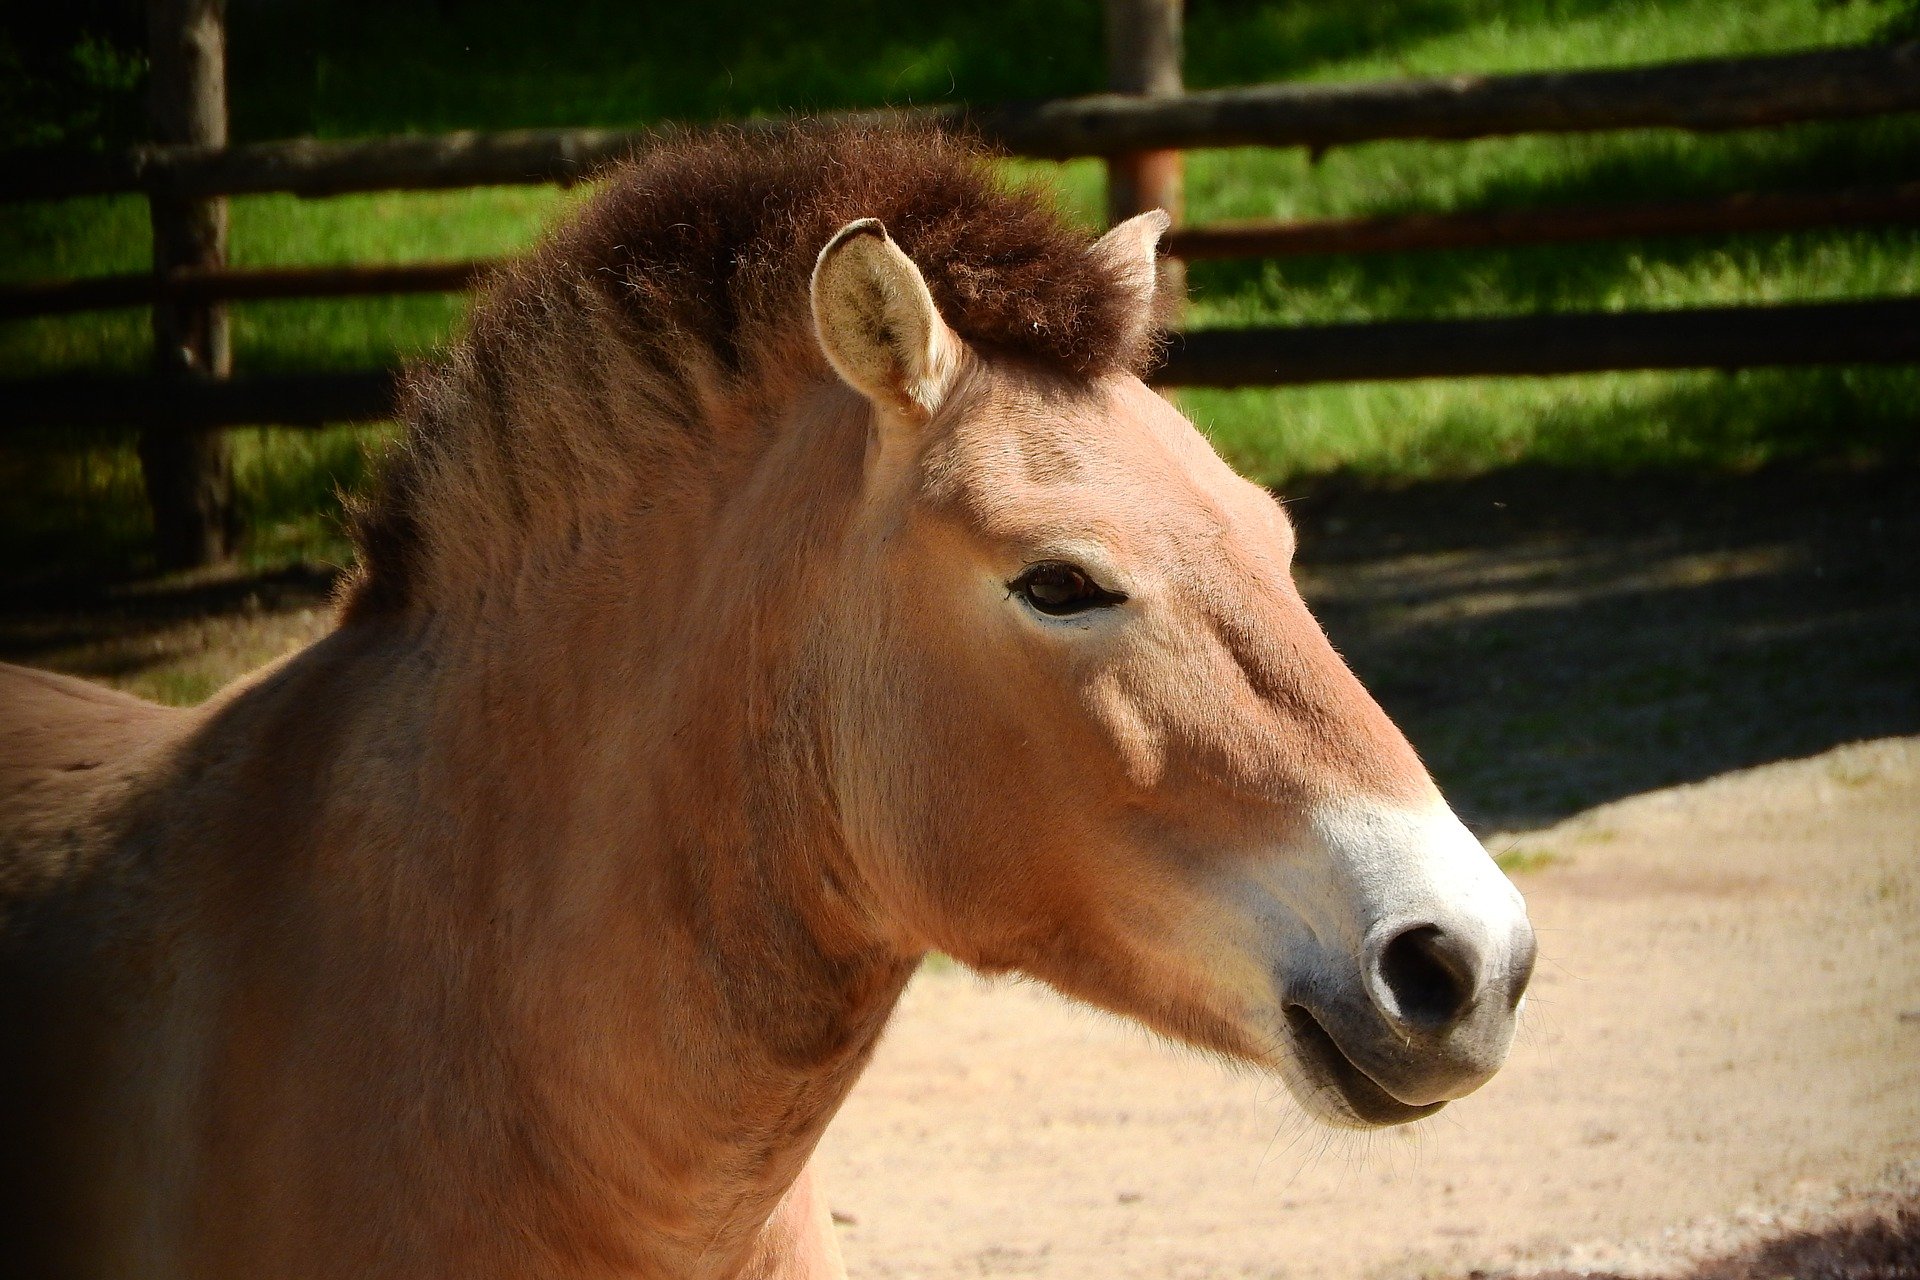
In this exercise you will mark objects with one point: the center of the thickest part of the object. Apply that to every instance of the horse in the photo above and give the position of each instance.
(785, 575)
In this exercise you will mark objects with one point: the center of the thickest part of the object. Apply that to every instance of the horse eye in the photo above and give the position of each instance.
(1059, 589)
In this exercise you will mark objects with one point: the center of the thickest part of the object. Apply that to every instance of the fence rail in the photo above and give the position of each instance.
(1701, 95)
(236, 284)
(1870, 332)
(1882, 331)
(247, 399)
(1782, 211)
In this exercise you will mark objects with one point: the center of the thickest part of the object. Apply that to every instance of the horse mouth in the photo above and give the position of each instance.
(1358, 1093)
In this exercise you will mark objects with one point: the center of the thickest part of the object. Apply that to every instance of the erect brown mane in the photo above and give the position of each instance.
(703, 244)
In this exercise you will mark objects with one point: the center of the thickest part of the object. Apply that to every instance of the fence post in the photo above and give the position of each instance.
(1143, 57)
(188, 469)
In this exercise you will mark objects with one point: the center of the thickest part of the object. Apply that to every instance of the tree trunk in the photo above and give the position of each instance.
(189, 470)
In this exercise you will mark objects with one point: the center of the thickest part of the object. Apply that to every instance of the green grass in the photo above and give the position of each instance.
(1521, 859)
(1617, 423)
(343, 70)
(75, 506)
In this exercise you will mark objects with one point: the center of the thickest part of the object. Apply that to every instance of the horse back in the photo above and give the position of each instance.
(74, 759)
(61, 740)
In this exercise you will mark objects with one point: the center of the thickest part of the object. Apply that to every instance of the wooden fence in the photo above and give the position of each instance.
(1140, 129)
(1702, 95)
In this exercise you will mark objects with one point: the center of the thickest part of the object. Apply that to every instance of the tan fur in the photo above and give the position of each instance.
(536, 921)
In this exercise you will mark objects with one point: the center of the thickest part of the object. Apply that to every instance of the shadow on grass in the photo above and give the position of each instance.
(1551, 640)
(1248, 41)
(76, 509)
(343, 69)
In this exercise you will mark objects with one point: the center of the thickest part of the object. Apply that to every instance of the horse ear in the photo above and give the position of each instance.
(877, 324)
(1128, 251)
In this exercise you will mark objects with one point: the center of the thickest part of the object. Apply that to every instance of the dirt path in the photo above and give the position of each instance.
(1726, 1023)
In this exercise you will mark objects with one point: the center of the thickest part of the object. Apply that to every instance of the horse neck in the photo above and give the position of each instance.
(620, 769)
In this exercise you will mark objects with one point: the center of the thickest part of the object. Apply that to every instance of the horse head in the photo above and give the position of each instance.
(1085, 727)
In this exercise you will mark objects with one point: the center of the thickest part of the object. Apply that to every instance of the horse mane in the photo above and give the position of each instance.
(690, 264)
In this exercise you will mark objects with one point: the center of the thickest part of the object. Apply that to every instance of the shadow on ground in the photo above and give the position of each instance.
(1877, 1247)
(175, 640)
(1554, 641)
(57, 624)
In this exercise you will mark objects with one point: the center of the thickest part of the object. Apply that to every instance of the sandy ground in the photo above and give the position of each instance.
(1724, 1035)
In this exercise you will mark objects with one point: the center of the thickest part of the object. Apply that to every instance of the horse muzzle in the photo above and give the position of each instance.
(1419, 1004)
(1432, 1021)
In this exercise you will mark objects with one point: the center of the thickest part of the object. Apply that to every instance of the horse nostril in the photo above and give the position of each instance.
(1430, 976)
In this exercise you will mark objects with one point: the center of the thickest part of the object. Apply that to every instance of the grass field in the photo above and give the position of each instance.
(359, 69)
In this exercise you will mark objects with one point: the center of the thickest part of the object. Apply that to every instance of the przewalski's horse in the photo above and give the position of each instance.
(787, 575)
